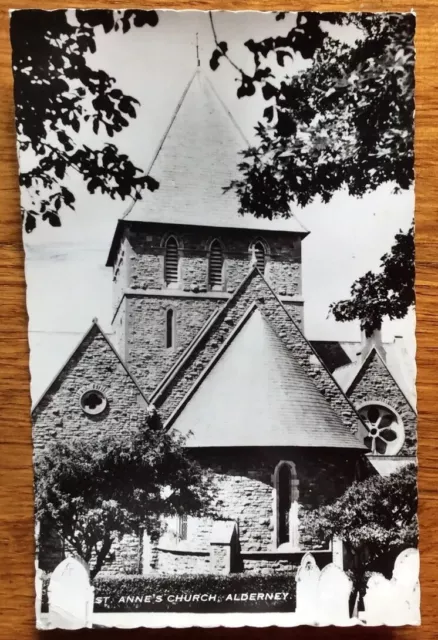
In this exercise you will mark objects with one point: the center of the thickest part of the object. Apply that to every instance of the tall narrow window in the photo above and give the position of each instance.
(215, 265)
(170, 329)
(171, 261)
(284, 504)
(259, 252)
(182, 527)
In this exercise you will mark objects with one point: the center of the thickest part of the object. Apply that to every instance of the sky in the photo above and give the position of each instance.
(67, 281)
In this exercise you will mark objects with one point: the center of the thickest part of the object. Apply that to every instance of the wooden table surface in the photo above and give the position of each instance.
(16, 494)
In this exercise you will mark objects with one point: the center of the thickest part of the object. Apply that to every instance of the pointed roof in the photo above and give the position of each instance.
(89, 335)
(256, 392)
(196, 158)
(345, 360)
(348, 375)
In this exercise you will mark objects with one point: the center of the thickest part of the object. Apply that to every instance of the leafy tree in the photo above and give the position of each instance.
(57, 95)
(377, 517)
(388, 293)
(343, 119)
(91, 496)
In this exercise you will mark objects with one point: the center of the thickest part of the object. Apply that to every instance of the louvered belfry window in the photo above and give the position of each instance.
(259, 251)
(171, 261)
(215, 265)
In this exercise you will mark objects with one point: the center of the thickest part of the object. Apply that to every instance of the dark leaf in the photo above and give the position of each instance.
(54, 219)
(268, 113)
(30, 223)
(269, 91)
(151, 183)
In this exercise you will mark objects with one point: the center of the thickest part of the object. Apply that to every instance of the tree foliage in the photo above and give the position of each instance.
(342, 118)
(57, 96)
(378, 515)
(388, 293)
(91, 496)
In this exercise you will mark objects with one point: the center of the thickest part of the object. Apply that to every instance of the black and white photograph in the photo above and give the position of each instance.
(218, 223)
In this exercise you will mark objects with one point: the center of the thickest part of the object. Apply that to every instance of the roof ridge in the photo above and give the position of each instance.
(225, 108)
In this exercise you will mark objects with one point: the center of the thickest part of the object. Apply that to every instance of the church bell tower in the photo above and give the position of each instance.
(179, 254)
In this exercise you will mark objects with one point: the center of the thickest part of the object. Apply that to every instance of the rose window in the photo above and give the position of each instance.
(93, 402)
(385, 433)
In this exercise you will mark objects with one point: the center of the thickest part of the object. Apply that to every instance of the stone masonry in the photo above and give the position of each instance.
(254, 290)
(376, 384)
(141, 296)
(94, 364)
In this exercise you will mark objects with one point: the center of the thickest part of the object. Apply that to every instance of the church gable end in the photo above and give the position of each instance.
(94, 394)
(375, 386)
(254, 289)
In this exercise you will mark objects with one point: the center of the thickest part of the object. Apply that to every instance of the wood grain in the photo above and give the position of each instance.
(16, 494)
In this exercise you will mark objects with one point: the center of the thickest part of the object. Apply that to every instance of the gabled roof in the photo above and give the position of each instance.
(345, 360)
(91, 333)
(347, 376)
(196, 159)
(170, 394)
(256, 392)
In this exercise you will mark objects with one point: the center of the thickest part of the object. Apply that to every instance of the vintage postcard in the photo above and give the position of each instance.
(218, 219)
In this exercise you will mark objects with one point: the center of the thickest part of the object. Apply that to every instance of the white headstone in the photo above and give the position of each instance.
(380, 601)
(405, 579)
(334, 590)
(397, 601)
(71, 597)
(307, 579)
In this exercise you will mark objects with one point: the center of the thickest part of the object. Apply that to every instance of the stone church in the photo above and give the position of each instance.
(208, 327)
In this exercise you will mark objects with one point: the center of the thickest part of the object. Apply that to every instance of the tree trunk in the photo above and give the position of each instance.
(101, 556)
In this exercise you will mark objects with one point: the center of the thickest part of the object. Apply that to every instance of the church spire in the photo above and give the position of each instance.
(198, 62)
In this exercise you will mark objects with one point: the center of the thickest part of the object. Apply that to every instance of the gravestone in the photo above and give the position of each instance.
(380, 601)
(71, 597)
(397, 601)
(405, 577)
(307, 579)
(334, 590)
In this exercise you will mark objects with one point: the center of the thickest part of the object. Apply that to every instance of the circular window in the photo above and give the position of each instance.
(385, 430)
(93, 402)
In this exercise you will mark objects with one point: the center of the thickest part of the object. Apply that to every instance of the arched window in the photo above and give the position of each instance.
(260, 258)
(286, 504)
(385, 433)
(170, 329)
(215, 265)
(171, 259)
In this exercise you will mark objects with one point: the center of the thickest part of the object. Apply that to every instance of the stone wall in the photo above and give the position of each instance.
(147, 249)
(242, 491)
(139, 320)
(375, 384)
(125, 557)
(60, 414)
(177, 563)
(145, 351)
